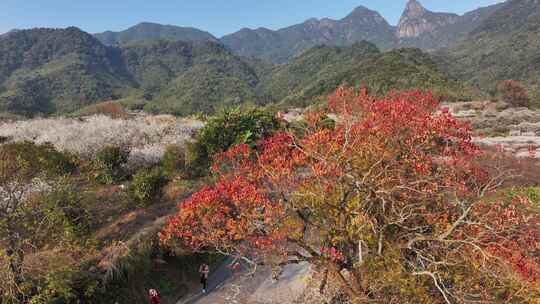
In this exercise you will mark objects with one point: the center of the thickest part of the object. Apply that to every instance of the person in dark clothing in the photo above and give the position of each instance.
(154, 296)
(204, 270)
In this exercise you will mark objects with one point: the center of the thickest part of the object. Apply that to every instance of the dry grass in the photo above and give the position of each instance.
(109, 108)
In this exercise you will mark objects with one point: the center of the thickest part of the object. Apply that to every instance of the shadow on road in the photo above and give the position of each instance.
(216, 279)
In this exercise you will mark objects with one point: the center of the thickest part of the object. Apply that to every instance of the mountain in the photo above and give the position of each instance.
(416, 21)
(319, 71)
(281, 45)
(152, 31)
(419, 27)
(62, 70)
(55, 70)
(504, 46)
(186, 78)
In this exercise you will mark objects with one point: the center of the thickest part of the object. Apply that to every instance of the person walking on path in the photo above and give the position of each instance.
(204, 270)
(154, 296)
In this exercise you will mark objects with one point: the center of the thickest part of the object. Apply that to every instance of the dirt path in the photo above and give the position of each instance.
(216, 279)
(243, 288)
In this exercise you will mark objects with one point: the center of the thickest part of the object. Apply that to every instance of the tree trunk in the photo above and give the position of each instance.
(351, 284)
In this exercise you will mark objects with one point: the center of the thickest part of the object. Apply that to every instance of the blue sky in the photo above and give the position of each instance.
(219, 17)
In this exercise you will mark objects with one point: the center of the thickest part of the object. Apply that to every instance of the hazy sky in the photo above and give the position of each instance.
(219, 17)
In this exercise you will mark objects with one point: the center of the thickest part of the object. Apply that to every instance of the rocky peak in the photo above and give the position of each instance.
(417, 20)
(414, 9)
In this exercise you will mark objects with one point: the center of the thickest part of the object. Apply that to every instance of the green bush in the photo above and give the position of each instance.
(174, 160)
(43, 158)
(66, 209)
(532, 193)
(109, 164)
(227, 129)
(64, 284)
(147, 185)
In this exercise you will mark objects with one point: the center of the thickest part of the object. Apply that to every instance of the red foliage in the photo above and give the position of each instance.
(224, 216)
(513, 93)
(512, 234)
(393, 170)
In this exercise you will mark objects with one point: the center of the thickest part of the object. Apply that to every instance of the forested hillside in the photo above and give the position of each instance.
(53, 70)
(282, 45)
(56, 71)
(321, 70)
(504, 46)
(48, 71)
(185, 78)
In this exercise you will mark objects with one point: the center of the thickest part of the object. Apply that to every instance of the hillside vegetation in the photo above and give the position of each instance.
(49, 70)
(321, 70)
(504, 46)
(185, 78)
(57, 71)
(46, 71)
(105, 187)
(108, 185)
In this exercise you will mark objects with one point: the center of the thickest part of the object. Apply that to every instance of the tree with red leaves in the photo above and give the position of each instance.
(388, 202)
(514, 93)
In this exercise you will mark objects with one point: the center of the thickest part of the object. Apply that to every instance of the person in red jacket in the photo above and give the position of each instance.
(154, 296)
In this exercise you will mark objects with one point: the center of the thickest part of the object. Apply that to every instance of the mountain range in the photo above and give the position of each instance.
(182, 70)
(417, 27)
(63, 70)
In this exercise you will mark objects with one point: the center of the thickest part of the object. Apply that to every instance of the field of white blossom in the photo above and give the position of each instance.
(145, 136)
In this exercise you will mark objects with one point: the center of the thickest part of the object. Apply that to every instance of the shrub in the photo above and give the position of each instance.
(227, 129)
(41, 157)
(65, 208)
(110, 108)
(147, 185)
(62, 277)
(513, 93)
(109, 164)
(66, 284)
(26, 170)
(174, 160)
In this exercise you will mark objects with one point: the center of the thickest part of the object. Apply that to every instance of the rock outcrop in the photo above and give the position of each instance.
(416, 21)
